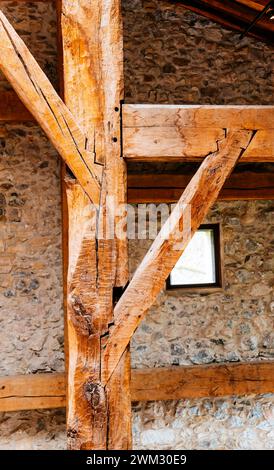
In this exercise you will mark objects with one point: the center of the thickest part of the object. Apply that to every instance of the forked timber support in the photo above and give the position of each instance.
(188, 214)
(98, 398)
(98, 417)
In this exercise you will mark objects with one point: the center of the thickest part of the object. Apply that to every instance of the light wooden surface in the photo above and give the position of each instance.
(40, 98)
(169, 244)
(28, 392)
(86, 400)
(190, 133)
(91, 32)
(33, 391)
(192, 382)
(246, 185)
(198, 116)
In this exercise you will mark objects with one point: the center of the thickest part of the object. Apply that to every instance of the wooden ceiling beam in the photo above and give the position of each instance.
(190, 133)
(46, 391)
(157, 188)
(169, 245)
(42, 101)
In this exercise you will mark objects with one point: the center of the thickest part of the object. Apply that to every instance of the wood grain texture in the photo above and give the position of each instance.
(86, 406)
(28, 392)
(190, 133)
(169, 244)
(213, 380)
(247, 185)
(40, 98)
(198, 116)
(12, 109)
(119, 405)
(93, 67)
(91, 37)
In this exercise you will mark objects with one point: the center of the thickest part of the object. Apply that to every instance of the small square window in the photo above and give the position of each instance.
(200, 264)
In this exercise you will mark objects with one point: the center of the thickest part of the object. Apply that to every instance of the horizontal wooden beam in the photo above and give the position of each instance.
(33, 391)
(12, 108)
(28, 392)
(216, 380)
(190, 133)
(157, 188)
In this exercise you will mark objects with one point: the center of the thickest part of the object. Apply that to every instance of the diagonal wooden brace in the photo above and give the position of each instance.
(148, 280)
(41, 99)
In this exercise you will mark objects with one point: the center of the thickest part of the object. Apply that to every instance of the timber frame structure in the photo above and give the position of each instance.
(95, 134)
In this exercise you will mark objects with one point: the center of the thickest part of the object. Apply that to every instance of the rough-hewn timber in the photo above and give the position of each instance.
(98, 418)
(28, 392)
(188, 214)
(190, 133)
(40, 98)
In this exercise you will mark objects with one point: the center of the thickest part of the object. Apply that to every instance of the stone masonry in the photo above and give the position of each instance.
(171, 56)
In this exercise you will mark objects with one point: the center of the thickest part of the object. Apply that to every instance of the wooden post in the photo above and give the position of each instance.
(97, 417)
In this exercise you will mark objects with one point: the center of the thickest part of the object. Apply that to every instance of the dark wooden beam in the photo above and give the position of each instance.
(157, 188)
(12, 108)
(233, 15)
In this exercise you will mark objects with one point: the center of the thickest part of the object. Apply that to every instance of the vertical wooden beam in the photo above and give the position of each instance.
(91, 32)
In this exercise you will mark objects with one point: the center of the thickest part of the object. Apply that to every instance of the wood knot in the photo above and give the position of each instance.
(94, 394)
(81, 318)
(72, 433)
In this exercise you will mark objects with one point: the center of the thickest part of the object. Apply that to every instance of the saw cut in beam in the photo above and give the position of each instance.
(42, 101)
(185, 219)
(190, 133)
(40, 391)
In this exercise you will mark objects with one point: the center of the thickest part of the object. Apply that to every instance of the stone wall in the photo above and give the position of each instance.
(175, 56)
(233, 325)
(171, 55)
(31, 313)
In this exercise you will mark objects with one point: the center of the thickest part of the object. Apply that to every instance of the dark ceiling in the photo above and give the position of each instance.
(235, 14)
